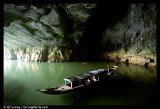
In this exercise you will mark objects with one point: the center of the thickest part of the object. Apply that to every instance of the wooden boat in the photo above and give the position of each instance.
(84, 80)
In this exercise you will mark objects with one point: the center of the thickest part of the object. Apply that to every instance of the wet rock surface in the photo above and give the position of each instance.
(134, 36)
(81, 32)
(39, 54)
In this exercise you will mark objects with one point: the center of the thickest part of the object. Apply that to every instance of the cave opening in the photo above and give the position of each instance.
(101, 17)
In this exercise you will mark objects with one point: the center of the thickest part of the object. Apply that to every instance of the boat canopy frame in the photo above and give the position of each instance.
(96, 72)
(67, 80)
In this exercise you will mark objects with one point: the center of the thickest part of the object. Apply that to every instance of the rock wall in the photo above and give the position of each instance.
(9, 54)
(81, 32)
(133, 37)
(58, 27)
(127, 58)
(39, 54)
(45, 24)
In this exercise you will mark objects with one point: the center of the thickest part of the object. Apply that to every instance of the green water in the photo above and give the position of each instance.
(22, 78)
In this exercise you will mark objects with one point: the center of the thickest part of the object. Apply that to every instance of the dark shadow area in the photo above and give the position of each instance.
(13, 90)
(90, 45)
(114, 90)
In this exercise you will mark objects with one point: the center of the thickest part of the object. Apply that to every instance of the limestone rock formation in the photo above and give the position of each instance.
(57, 26)
(81, 31)
(134, 36)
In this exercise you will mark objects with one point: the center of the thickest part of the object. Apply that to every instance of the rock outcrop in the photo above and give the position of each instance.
(58, 27)
(133, 37)
(39, 54)
(81, 31)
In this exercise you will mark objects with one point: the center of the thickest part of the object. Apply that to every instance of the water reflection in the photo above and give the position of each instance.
(138, 73)
(129, 85)
(13, 90)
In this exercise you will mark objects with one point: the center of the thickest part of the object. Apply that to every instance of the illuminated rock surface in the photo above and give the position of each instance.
(81, 32)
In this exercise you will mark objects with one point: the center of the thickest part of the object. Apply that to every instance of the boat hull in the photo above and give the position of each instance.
(53, 91)
(65, 88)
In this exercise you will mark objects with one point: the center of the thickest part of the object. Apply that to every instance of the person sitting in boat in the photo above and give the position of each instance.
(94, 78)
(110, 69)
(87, 81)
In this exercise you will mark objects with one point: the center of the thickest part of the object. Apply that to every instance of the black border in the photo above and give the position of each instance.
(92, 1)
